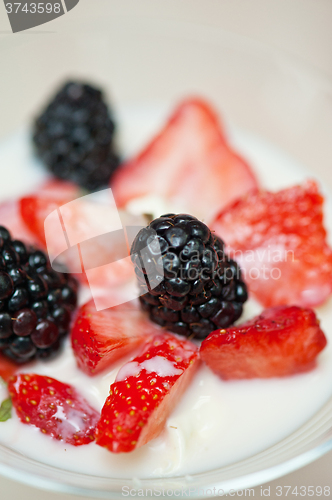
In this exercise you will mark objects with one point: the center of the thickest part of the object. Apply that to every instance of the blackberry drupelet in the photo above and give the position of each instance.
(36, 302)
(187, 282)
(74, 137)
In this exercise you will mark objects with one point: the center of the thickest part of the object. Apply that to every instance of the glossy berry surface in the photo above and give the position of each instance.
(144, 393)
(281, 341)
(31, 325)
(25, 321)
(57, 409)
(6, 285)
(74, 136)
(186, 281)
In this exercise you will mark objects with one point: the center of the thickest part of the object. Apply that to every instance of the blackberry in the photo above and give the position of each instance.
(36, 302)
(187, 282)
(74, 137)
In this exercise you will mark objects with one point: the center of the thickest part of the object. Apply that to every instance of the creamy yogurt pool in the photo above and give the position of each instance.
(216, 422)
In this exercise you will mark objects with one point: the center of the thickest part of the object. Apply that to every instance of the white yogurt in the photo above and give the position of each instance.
(217, 422)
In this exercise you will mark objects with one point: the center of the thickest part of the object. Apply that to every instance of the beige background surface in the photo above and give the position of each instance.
(300, 27)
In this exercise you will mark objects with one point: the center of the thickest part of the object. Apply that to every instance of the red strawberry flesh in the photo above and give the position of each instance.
(10, 217)
(97, 262)
(35, 207)
(189, 164)
(57, 409)
(282, 341)
(7, 368)
(279, 240)
(145, 392)
(99, 338)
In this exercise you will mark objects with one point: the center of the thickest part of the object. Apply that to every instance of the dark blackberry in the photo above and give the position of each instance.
(187, 282)
(61, 316)
(36, 303)
(6, 285)
(74, 136)
(5, 326)
(25, 322)
(21, 250)
(45, 334)
(23, 348)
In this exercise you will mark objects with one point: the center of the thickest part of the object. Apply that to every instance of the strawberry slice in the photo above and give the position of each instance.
(7, 368)
(283, 340)
(25, 217)
(189, 164)
(145, 392)
(57, 409)
(10, 217)
(279, 240)
(101, 337)
(36, 207)
(105, 258)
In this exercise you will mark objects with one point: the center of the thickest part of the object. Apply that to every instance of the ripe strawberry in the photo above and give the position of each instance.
(104, 246)
(101, 337)
(36, 207)
(280, 243)
(7, 368)
(283, 340)
(10, 217)
(189, 163)
(57, 409)
(145, 392)
(101, 262)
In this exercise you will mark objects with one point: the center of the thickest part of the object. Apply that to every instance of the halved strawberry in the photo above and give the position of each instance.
(57, 409)
(144, 393)
(189, 163)
(101, 337)
(279, 240)
(283, 340)
(7, 368)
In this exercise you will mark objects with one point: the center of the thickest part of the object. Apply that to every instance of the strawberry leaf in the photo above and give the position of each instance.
(5, 410)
